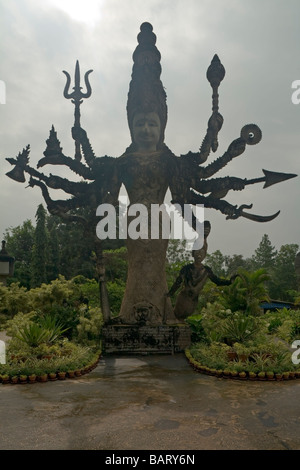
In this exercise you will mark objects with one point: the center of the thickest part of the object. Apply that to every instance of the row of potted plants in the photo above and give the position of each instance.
(241, 373)
(50, 373)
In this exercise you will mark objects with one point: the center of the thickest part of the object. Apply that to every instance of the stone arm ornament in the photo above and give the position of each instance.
(53, 156)
(215, 74)
(218, 280)
(62, 208)
(191, 168)
(101, 172)
(80, 135)
(250, 134)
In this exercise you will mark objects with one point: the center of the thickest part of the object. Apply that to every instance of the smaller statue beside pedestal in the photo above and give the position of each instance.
(193, 277)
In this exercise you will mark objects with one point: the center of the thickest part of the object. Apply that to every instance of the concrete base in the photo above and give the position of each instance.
(136, 339)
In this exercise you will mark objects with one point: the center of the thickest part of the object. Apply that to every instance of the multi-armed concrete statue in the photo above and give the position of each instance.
(147, 169)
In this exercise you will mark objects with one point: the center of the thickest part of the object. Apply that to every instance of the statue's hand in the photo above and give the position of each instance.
(237, 184)
(230, 211)
(79, 134)
(238, 211)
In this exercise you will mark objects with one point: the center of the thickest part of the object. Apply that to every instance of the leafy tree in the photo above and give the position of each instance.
(40, 249)
(53, 266)
(178, 252)
(13, 299)
(235, 262)
(116, 264)
(19, 243)
(264, 256)
(116, 291)
(75, 249)
(254, 284)
(247, 292)
(283, 284)
(216, 261)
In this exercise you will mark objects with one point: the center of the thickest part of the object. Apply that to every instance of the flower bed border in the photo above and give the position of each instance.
(47, 377)
(244, 375)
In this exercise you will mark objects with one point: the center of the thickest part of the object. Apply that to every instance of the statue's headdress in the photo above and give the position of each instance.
(146, 92)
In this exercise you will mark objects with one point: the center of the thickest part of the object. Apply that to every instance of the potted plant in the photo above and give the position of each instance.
(61, 375)
(278, 373)
(270, 375)
(13, 373)
(242, 351)
(52, 376)
(286, 375)
(78, 372)
(32, 378)
(243, 375)
(252, 375)
(5, 379)
(231, 354)
(70, 367)
(61, 369)
(23, 379)
(24, 373)
(261, 375)
(42, 375)
(234, 373)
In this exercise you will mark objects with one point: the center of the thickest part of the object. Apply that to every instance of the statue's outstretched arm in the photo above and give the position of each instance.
(232, 212)
(217, 280)
(250, 135)
(56, 182)
(215, 74)
(59, 207)
(219, 187)
(80, 135)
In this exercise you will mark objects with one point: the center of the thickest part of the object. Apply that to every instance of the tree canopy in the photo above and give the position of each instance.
(52, 248)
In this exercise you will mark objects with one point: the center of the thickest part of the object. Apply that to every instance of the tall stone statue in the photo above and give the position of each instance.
(148, 168)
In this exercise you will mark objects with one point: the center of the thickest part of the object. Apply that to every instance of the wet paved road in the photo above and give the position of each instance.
(150, 403)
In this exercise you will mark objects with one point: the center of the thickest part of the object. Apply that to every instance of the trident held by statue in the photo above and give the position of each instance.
(76, 97)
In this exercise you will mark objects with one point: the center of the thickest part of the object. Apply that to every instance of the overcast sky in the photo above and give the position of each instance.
(258, 43)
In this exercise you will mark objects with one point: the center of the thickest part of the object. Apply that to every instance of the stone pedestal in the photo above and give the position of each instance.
(132, 339)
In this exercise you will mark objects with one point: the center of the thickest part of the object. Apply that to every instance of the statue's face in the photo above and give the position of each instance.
(146, 131)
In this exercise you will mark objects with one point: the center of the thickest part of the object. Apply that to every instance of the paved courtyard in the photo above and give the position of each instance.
(150, 403)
